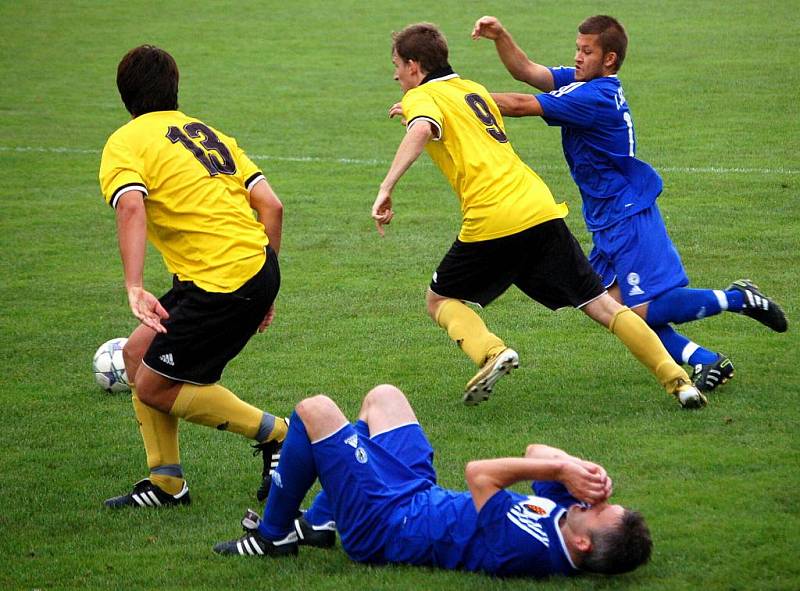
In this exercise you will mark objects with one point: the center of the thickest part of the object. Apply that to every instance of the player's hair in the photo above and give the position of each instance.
(423, 43)
(620, 549)
(612, 35)
(147, 79)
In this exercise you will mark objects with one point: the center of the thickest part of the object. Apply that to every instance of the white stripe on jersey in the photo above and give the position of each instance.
(566, 89)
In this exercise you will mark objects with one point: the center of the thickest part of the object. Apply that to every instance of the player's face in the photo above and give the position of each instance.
(588, 58)
(403, 73)
(597, 517)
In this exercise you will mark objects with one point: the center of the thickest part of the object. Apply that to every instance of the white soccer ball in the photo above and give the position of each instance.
(109, 367)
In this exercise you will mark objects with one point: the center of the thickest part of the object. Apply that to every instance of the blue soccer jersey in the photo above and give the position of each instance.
(600, 147)
(513, 535)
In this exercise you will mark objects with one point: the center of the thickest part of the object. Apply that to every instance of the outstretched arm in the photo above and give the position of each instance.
(515, 104)
(409, 150)
(132, 237)
(514, 59)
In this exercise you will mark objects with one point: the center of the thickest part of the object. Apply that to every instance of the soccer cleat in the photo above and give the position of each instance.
(760, 307)
(689, 396)
(707, 376)
(252, 544)
(480, 386)
(147, 494)
(271, 453)
(319, 536)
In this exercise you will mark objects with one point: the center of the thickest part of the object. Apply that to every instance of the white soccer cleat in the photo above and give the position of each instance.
(690, 397)
(480, 386)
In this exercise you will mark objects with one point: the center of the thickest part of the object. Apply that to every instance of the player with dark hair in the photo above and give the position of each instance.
(512, 229)
(192, 191)
(379, 481)
(632, 251)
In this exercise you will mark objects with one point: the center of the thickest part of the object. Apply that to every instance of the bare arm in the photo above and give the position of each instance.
(407, 152)
(514, 59)
(132, 237)
(270, 211)
(515, 104)
(585, 481)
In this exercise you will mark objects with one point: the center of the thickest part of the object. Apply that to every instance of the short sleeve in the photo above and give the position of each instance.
(572, 105)
(562, 76)
(420, 106)
(121, 170)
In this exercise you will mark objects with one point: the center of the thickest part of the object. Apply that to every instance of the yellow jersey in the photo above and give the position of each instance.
(196, 183)
(499, 194)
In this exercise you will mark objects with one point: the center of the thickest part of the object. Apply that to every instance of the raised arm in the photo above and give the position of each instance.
(514, 59)
(585, 481)
(409, 150)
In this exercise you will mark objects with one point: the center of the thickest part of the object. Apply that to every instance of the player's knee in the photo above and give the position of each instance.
(314, 406)
(382, 393)
(432, 303)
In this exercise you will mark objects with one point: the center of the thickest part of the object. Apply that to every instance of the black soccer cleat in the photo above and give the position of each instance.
(760, 307)
(252, 544)
(147, 494)
(270, 453)
(707, 376)
(319, 536)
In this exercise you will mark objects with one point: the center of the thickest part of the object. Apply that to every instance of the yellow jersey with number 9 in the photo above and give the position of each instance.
(196, 183)
(499, 194)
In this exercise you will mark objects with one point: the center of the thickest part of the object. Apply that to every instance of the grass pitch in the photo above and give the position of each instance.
(305, 89)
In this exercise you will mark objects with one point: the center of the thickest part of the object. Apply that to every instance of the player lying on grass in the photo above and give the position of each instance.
(632, 250)
(380, 489)
(192, 191)
(512, 231)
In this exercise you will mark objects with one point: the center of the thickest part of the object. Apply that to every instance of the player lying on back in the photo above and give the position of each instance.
(379, 487)
(512, 232)
(632, 250)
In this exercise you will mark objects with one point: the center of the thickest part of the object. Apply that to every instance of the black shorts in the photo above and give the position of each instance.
(545, 262)
(205, 330)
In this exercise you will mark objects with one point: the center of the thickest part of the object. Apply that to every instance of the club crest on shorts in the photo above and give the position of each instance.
(633, 281)
(361, 455)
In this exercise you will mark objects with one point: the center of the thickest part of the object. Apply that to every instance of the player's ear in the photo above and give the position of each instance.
(583, 543)
(610, 60)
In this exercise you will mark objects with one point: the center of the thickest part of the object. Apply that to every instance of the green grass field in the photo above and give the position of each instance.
(305, 89)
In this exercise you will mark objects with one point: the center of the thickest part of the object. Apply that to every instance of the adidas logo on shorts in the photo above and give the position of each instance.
(167, 358)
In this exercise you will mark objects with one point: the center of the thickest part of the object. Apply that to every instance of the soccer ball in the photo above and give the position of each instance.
(109, 367)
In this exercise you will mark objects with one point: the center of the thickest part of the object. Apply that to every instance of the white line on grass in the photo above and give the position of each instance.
(376, 161)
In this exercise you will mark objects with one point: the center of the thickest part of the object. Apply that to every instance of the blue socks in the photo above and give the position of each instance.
(320, 511)
(295, 474)
(684, 305)
(682, 349)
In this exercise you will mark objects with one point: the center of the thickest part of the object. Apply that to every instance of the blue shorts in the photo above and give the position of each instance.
(366, 480)
(637, 253)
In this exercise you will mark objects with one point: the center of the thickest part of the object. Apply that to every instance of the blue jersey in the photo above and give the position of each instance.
(513, 535)
(600, 147)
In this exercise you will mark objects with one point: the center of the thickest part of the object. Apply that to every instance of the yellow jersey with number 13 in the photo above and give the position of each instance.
(196, 183)
(499, 194)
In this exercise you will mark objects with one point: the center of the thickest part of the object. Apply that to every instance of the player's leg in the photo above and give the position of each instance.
(645, 345)
(475, 272)
(159, 432)
(709, 368)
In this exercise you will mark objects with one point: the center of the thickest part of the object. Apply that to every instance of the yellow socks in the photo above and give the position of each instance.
(467, 329)
(647, 348)
(216, 406)
(160, 435)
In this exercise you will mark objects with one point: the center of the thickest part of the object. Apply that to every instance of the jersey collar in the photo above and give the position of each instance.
(445, 73)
